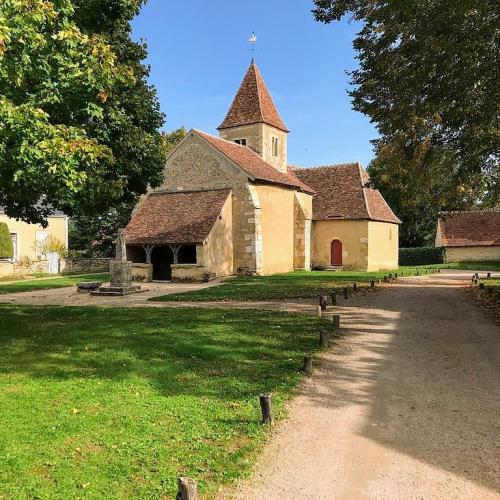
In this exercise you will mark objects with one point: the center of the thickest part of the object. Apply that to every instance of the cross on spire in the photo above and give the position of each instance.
(253, 42)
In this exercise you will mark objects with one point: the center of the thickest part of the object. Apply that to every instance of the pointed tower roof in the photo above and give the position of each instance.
(253, 104)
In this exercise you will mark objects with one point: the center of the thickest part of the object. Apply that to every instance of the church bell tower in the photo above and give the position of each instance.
(254, 121)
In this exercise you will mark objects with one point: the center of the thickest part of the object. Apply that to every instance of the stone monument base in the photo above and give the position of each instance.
(117, 291)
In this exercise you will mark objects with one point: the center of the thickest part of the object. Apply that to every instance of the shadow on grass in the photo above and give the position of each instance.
(228, 354)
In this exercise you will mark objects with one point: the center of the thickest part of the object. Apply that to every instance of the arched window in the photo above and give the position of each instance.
(275, 146)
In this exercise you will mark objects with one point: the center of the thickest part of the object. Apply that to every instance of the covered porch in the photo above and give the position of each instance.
(172, 235)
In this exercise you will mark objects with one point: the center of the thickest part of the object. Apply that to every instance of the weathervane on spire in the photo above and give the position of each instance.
(253, 41)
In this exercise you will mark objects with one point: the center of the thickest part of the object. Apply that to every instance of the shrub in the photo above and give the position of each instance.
(420, 256)
(6, 247)
(53, 244)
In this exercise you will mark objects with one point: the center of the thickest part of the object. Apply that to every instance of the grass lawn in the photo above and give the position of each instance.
(104, 402)
(46, 284)
(296, 285)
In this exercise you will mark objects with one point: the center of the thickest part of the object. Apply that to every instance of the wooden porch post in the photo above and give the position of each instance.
(175, 250)
(149, 250)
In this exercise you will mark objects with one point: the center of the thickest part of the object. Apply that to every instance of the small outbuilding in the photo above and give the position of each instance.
(469, 236)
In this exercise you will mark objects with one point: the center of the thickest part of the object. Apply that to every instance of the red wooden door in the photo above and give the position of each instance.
(336, 253)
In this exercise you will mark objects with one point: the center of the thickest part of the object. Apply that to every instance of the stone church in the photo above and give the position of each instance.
(233, 205)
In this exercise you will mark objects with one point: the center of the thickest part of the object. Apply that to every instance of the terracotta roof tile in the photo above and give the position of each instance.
(253, 104)
(175, 217)
(343, 192)
(470, 229)
(249, 161)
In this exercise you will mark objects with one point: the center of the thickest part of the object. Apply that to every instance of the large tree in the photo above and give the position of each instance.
(93, 235)
(428, 78)
(78, 121)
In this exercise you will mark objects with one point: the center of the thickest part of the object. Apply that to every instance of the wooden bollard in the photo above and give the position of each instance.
(266, 405)
(187, 489)
(308, 364)
(354, 287)
(372, 284)
(390, 276)
(488, 276)
(385, 279)
(323, 302)
(324, 339)
(336, 320)
(346, 292)
(439, 270)
(334, 298)
(396, 276)
(477, 276)
(481, 286)
(318, 311)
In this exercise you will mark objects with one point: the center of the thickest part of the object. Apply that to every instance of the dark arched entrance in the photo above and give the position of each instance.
(162, 259)
(336, 253)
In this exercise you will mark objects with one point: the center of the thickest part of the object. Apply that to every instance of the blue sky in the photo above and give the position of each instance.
(199, 52)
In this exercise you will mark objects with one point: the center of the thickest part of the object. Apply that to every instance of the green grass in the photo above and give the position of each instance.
(476, 266)
(46, 284)
(296, 285)
(104, 402)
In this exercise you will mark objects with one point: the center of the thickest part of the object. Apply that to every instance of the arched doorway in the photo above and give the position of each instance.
(162, 259)
(336, 253)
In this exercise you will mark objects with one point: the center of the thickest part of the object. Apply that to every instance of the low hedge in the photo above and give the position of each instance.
(420, 256)
(6, 247)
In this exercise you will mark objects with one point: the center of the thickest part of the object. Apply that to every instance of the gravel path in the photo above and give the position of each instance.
(406, 406)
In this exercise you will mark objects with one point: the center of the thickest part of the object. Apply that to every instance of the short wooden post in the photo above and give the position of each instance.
(334, 298)
(308, 364)
(266, 405)
(187, 489)
(372, 284)
(318, 311)
(396, 276)
(417, 273)
(481, 286)
(354, 287)
(488, 276)
(323, 302)
(336, 320)
(439, 270)
(324, 339)
(477, 276)
(346, 292)
(385, 279)
(390, 276)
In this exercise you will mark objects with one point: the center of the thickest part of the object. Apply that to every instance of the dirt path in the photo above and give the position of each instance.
(405, 406)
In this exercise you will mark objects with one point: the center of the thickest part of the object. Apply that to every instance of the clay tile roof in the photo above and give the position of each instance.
(249, 161)
(181, 217)
(253, 104)
(470, 229)
(343, 192)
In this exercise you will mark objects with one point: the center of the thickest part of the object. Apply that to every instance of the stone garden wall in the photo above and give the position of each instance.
(83, 266)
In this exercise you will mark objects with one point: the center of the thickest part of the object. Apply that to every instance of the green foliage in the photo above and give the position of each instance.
(78, 121)
(171, 139)
(93, 235)
(427, 78)
(420, 256)
(53, 244)
(100, 400)
(6, 247)
(32, 285)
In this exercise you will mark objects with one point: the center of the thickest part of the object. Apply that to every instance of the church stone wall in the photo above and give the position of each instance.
(259, 137)
(195, 165)
(303, 228)
(354, 237)
(277, 222)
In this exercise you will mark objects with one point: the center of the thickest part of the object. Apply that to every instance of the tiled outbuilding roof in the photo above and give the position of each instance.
(344, 192)
(181, 217)
(470, 229)
(249, 161)
(253, 104)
